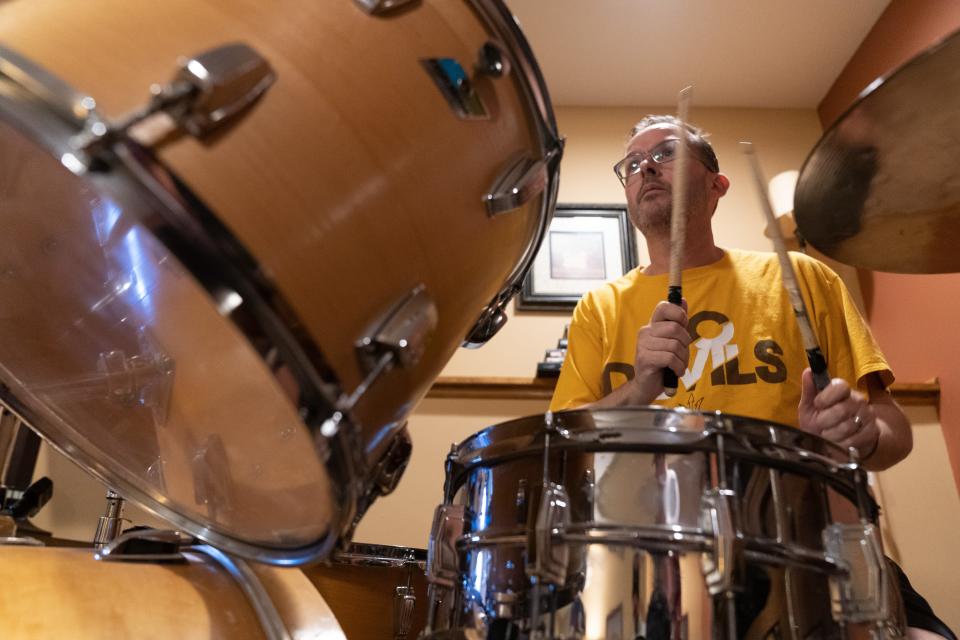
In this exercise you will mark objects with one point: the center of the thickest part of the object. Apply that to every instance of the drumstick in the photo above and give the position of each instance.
(678, 224)
(818, 364)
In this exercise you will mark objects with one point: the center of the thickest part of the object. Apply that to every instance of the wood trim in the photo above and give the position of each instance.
(906, 393)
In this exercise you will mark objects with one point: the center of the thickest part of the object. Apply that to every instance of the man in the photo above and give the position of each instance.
(736, 323)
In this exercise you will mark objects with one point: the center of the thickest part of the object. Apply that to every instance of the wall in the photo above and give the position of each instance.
(913, 317)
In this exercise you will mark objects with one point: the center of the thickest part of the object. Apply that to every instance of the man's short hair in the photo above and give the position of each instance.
(697, 137)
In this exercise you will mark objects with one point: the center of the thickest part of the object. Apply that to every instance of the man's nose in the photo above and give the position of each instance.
(648, 166)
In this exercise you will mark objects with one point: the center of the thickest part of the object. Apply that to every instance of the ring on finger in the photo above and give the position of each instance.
(857, 423)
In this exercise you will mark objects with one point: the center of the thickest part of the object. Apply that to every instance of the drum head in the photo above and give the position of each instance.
(646, 429)
(129, 366)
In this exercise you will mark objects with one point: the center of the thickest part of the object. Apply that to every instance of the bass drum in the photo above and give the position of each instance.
(232, 329)
(62, 592)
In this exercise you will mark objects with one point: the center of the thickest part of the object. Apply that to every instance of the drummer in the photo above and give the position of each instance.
(735, 344)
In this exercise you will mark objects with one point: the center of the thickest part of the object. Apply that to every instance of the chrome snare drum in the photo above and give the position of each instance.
(652, 523)
(223, 294)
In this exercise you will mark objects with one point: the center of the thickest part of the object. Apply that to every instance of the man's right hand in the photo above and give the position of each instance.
(662, 344)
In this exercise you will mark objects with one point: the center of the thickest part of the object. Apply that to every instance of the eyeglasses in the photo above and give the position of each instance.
(663, 153)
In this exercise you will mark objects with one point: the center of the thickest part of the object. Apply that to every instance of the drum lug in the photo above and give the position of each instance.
(522, 180)
(443, 564)
(402, 332)
(380, 7)
(209, 91)
(722, 567)
(443, 561)
(550, 561)
(860, 594)
(404, 603)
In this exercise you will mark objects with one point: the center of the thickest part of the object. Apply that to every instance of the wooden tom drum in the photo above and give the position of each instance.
(232, 329)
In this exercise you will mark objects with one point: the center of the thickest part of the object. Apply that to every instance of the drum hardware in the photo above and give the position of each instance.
(456, 87)
(403, 606)
(859, 594)
(491, 320)
(523, 179)
(400, 336)
(550, 558)
(208, 92)
(381, 7)
(143, 545)
(389, 469)
(492, 60)
(443, 562)
(110, 524)
(720, 565)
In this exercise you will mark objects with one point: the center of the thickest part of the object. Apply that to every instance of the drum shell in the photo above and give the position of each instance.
(60, 592)
(361, 589)
(351, 181)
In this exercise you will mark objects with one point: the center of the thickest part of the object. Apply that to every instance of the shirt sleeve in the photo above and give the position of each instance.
(845, 338)
(580, 375)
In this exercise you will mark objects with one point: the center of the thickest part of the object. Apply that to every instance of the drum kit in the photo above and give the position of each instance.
(223, 293)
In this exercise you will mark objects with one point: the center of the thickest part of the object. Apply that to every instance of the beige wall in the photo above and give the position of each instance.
(596, 138)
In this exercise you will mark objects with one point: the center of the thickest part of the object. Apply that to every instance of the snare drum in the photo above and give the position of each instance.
(232, 329)
(655, 523)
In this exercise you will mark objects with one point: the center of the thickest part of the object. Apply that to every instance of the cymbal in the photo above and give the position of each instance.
(881, 190)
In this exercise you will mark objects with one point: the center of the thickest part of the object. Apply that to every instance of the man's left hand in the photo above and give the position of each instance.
(839, 414)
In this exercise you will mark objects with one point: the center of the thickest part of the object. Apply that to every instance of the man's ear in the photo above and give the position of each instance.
(720, 184)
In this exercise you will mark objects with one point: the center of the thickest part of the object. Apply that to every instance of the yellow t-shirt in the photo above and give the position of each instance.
(747, 353)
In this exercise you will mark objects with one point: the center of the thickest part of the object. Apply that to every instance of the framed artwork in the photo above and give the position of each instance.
(586, 245)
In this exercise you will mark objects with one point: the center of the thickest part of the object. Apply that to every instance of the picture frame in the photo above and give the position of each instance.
(586, 245)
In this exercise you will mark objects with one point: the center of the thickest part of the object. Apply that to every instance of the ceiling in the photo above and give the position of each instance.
(736, 53)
